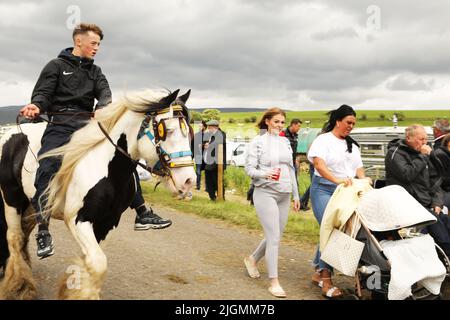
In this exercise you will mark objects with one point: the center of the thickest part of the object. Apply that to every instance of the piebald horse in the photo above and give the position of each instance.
(94, 185)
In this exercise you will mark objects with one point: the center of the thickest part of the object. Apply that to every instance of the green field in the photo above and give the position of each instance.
(317, 118)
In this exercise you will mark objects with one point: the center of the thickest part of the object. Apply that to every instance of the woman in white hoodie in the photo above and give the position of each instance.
(269, 164)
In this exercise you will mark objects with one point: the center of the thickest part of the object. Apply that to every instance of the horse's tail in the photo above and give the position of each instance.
(4, 251)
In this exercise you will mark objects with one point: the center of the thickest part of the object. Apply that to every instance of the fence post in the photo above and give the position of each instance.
(220, 188)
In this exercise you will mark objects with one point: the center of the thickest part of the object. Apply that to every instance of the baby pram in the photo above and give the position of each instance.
(388, 220)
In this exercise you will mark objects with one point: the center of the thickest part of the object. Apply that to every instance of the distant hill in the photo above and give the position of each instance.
(226, 110)
(8, 114)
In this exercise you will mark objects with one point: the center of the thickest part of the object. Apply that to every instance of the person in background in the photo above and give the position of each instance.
(198, 146)
(337, 160)
(441, 159)
(269, 164)
(440, 128)
(441, 131)
(215, 138)
(291, 133)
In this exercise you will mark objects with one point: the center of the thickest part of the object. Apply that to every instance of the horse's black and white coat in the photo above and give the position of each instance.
(89, 193)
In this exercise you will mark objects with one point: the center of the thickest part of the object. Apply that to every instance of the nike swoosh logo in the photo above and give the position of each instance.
(67, 73)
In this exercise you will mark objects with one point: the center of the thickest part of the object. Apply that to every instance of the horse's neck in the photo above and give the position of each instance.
(128, 125)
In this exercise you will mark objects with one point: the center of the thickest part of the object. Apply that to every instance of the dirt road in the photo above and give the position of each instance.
(195, 258)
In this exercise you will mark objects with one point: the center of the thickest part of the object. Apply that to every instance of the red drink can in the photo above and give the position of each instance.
(276, 176)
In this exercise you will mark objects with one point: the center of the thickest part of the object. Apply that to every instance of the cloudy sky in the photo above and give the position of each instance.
(299, 55)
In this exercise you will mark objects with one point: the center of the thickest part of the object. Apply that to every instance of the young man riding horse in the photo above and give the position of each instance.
(66, 88)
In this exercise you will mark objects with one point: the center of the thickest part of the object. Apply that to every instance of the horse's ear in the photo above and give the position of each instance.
(166, 101)
(185, 96)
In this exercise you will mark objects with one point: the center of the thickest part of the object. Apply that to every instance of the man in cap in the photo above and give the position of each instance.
(216, 137)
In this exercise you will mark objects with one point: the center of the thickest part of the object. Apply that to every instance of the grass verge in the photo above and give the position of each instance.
(301, 227)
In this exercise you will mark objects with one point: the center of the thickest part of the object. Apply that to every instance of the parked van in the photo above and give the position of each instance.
(373, 142)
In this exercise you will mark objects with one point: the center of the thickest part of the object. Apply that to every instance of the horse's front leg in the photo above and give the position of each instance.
(84, 280)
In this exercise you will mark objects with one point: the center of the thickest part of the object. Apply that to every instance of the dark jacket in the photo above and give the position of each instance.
(198, 146)
(441, 160)
(293, 140)
(438, 141)
(71, 82)
(415, 172)
(211, 156)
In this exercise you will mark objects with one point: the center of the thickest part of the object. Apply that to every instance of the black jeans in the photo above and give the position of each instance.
(212, 185)
(54, 136)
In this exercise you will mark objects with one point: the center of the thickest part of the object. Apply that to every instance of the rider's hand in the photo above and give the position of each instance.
(437, 210)
(29, 111)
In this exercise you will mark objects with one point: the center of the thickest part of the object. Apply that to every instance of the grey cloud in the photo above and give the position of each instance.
(408, 83)
(242, 49)
(334, 34)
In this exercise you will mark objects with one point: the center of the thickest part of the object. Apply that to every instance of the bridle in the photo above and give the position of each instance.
(166, 161)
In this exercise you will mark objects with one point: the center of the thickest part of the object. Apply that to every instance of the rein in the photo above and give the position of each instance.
(123, 152)
(71, 114)
(162, 167)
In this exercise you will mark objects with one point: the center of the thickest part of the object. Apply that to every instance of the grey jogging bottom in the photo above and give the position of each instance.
(272, 208)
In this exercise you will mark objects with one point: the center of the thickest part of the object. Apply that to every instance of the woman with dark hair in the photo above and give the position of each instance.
(269, 164)
(336, 159)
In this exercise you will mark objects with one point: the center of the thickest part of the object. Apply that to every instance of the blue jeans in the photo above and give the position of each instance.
(321, 192)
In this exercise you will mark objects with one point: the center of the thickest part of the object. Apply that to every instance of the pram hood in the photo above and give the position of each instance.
(391, 208)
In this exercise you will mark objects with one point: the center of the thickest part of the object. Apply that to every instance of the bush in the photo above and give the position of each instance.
(231, 120)
(210, 114)
(363, 117)
(401, 116)
(382, 116)
(247, 120)
(196, 116)
(253, 119)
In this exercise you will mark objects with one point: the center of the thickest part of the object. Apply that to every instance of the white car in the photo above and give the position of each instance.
(236, 153)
